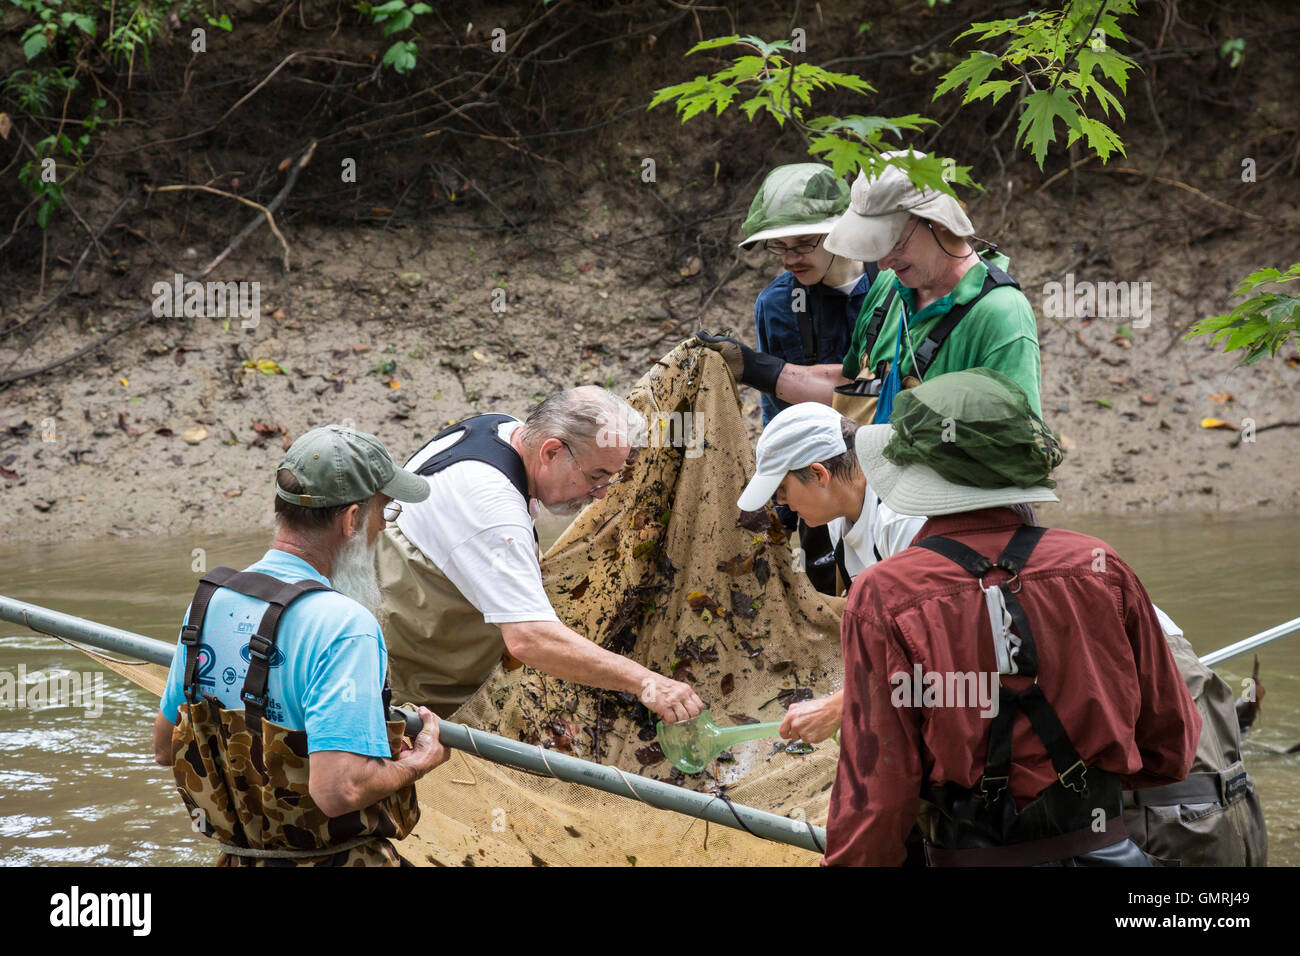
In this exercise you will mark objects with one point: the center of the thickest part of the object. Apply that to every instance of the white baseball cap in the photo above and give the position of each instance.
(795, 438)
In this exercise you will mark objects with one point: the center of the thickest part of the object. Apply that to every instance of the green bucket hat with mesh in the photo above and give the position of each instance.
(796, 200)
(960, 442)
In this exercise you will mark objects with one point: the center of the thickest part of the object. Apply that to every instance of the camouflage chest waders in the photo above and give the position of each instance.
(1060, 826)
(245, 779)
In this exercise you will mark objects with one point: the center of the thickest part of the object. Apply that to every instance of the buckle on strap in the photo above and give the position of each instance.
(189, 635)
(1070, 771)
(258, 647)
(248, 697)
(990, 794)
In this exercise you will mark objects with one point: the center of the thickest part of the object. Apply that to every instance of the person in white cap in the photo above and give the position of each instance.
(936, 307)
(806, 458)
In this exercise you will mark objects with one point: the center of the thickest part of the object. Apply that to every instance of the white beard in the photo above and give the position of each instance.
(569, 508)
(354, 574)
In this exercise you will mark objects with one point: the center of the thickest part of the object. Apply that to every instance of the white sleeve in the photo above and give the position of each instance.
(894, 532)
(497, 571)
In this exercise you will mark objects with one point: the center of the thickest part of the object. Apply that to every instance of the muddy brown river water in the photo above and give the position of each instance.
(78, 783)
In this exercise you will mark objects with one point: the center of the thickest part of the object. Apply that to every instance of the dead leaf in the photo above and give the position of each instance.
(1165, 426)
(1123, 342)
(1221, 398)
(195, 435)
(728, 684)
(761, 570)
(164, 432)
(394, 383)
(284, 164)
(740, 564)
(1092, 352)
(5, 125)
(648, 756)
(1148, 399)
(779, 667)
(8, 474)
(793, 695)
(125, 383)
(1217, 423)
(742, 605)
(743, 718)
(693, 267)
(1117, 380)
(361, 348)
(580, 588)
(232, 492)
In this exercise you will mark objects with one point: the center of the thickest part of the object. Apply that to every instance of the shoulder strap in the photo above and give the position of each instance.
(993, 278)
(808, 328)
(261, 646)
(877, 320)
(872, 270)
(193, 628)
(480, 442)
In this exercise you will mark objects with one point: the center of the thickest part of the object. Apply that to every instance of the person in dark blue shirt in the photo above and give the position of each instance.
(807, 313)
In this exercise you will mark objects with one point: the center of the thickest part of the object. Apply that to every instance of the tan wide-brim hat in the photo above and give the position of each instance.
(879, 210)
(916, 489)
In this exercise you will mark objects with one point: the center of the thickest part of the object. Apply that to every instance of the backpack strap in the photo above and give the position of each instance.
(877, 320)
(480, 442)
(993, 278)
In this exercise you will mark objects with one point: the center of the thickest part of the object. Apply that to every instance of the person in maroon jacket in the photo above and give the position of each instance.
(1003, 683)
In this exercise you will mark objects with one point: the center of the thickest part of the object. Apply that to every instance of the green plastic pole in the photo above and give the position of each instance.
(493, 747)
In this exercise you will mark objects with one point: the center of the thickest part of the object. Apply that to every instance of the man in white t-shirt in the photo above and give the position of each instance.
(460, 573)
(805, 457)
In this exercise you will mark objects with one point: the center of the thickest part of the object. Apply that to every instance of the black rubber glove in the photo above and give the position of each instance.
(755, 369)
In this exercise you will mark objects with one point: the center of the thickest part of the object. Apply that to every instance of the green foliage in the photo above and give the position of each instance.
(396, 16)
(1233, 50)
(1260, 325)
(768, 81)
(1062, 57)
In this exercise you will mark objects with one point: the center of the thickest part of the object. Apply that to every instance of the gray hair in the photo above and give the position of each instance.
(583, 417)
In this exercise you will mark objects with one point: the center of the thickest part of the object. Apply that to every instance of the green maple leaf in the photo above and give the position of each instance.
(1038, 122)
(971, 71)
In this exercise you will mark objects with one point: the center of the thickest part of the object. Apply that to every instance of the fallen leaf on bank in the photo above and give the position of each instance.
(1117, 380)
(394, 383)
(1148, 399)
(1217, 423)
(164, 432)
(1092, 352)
(1221, 398)
(361, 348)
(1165, 426)
(5, 125)
(1123, 342)
(265, 366)
(284, 164)
(232, 492)
(195, 435)
(1104, 403)
(8, 474)
(479, 356)
(125, 383)
(693, 266)
(1292, 361)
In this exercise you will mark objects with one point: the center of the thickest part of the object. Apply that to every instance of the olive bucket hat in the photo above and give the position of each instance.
(960, 442)
(797, 200)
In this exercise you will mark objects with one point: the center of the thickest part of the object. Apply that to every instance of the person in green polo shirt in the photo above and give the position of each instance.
(929, 276)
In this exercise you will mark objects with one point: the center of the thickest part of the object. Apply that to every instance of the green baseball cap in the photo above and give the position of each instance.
(795, 200)
(339, 466)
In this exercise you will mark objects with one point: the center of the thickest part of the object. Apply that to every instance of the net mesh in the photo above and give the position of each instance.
(662, 571)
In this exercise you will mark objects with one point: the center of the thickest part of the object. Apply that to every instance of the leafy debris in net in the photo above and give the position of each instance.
(580, 588)
(743, 718)
(799, 747)
(740, 564)
(701, 602)
(742, 605)
(728, 684)
(776, 532)
(726, 757)
(750, 649)
(753, 520)
(646, 733)
(709, 655)
(779, 667)
(762, 571)
(648, 756)
(682, 671)
(793, 695)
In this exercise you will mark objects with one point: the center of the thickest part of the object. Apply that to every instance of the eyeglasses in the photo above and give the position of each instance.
(777, 249)
(595, 487)
(902, 244)
(392, 510)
